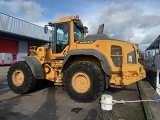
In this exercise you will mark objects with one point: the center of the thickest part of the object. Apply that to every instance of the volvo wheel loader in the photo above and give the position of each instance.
(84, 64)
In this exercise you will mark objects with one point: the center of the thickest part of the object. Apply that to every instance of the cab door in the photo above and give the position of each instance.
(60, 47)
(61, 37)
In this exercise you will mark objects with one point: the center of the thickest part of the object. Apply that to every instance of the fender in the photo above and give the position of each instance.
(35, 66)
(104, 62)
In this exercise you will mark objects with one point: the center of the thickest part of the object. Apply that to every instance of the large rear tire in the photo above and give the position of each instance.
(20, 78)
(84, 81)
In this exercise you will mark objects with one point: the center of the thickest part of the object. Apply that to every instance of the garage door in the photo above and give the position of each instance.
(9, 46)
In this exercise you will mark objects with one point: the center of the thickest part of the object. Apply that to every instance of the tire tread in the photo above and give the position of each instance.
(97, 93)
(29, 80)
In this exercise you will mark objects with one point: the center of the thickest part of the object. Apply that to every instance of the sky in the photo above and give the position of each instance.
(136, 21)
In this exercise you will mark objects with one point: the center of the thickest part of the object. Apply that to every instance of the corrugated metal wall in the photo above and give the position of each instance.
(23, 50)
(20, 27)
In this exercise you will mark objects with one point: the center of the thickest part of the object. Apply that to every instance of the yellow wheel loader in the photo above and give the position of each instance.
(84, 64)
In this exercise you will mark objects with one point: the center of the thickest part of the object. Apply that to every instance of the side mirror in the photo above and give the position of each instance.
(45, 29)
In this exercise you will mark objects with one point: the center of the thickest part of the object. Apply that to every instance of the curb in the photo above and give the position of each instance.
(147, 92)
(146, 107)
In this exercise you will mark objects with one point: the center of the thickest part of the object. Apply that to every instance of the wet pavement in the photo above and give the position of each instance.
(49, 102)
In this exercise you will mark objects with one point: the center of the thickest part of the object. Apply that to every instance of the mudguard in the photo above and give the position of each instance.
(35, 66)
(104, 62)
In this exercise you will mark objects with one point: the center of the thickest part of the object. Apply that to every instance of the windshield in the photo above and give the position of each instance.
(78, 32)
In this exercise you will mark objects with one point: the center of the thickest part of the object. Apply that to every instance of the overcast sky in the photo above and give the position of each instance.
(136, 21)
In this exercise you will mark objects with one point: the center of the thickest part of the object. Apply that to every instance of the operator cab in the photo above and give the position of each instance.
(61, 32)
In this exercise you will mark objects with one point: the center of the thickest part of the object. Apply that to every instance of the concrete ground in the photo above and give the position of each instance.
(52, 103)
(4, 70)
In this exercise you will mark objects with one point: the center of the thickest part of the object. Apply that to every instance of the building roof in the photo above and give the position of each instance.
(154, 44)
(20, 28)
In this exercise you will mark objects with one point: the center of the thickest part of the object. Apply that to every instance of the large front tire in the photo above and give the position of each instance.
(84, 81)
(20, 78)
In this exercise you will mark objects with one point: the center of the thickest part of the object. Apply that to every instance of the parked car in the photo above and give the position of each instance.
(6, 58)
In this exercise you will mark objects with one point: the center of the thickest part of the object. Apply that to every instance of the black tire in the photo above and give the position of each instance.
(29, 82)
(96, 79)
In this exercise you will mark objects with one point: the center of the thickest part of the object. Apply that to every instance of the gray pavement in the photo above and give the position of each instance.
(4, 70)
(152, 109)
(52, 103)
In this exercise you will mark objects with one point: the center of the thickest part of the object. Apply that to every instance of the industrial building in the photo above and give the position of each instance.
(153, 48)
(155, 44)
(16, 36)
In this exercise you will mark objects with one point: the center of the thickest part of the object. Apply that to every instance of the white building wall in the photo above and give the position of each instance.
(22, 50)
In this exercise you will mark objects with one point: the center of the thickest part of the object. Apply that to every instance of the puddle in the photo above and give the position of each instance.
(76, 110)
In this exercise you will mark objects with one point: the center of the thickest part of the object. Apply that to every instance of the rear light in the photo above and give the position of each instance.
(14, 61)
(2, 63)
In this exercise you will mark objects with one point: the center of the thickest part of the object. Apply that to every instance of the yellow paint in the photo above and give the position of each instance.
(116, 80)
(40, 54)
(122, 75)
(18, 77)
(81, 82)
(49, 73)
(132, 73)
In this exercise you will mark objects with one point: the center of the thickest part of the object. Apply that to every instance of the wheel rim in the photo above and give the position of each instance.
(81, 82)
(18, 77)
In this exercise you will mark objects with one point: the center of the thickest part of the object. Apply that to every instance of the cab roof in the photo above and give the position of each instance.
(65, 19)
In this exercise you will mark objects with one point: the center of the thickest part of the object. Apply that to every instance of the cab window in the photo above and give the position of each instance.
(116, 55)
(62, 36)
(78, 32)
